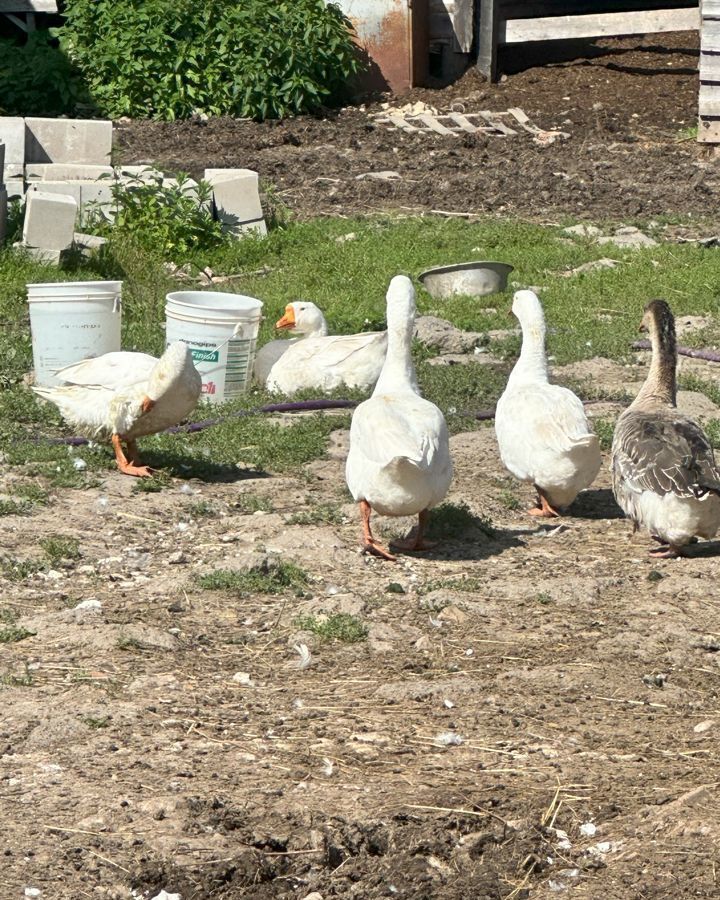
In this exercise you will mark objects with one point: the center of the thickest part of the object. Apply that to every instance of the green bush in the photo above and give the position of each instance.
(168, 59)
(171, 218)
(36, 78)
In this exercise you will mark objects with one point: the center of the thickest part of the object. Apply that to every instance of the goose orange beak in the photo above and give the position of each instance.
(288, 320)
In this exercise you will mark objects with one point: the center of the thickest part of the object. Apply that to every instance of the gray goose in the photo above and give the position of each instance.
(664, 474)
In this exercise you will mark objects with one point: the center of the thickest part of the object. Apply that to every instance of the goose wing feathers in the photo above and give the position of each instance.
(113, 371)
(388, 428)
(664, 454)
(334, 351)
(546, 412)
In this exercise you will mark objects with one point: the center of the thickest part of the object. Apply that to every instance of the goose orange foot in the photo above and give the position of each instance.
(370, 544)
(543, 508)
(667, 552)
(130, 466)
(415, 542)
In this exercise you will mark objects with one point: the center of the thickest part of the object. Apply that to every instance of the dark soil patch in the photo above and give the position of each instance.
(626, 104)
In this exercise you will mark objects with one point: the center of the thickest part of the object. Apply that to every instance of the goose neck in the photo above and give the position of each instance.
(660, 387)
(532, 364)
(398, 371)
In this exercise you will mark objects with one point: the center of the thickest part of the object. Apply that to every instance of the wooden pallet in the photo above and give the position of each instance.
(22, 12)
(709, 98)
(456, 124)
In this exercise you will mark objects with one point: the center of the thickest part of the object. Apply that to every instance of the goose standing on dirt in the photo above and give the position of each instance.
(399, 460)
(123, 396)
(541, 428)
(319, 360)
(663, 469)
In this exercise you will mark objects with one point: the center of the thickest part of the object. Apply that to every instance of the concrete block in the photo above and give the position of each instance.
(13, 170)
(46, 256)
(66, 172)
(258, 226)
(67, 188)
(96, 192)
(3, 214)
(236, 197)
(87, 244)
(49, 220)
(75, 141)
(15, 188)
(12, 134)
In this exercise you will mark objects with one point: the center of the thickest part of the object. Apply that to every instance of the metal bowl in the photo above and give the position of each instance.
(472, 279)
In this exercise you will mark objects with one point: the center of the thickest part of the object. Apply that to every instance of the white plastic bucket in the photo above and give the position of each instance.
(221, 331)
(70, 321)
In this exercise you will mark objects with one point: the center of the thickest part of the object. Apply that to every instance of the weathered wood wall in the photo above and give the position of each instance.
(709, 100)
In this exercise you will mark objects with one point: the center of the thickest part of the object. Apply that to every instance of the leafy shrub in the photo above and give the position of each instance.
(36, 78)
(168, 59)
(169, 217)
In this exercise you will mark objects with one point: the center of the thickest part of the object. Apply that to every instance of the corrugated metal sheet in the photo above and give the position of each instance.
(391, 32)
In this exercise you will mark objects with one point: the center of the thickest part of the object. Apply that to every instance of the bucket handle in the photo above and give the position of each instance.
(117, 303)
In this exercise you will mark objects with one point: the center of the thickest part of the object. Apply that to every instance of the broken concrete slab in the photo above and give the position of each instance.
(593, 266)
(87, 244)
(583, 230)
(75, 141)
(52, 257)
(443, 335)
(66, 188)
(49, 220)
(627, 236)
(15, 188)
(12, 134)
(66, 172)
(236, 198)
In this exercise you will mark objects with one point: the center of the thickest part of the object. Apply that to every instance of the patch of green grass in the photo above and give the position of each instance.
(689, 133)
(544, 599)
(10, 679)
(455, 520)
(30, 491)
(159, 481)
(125, 642)
(693, 383)
(20, 569)
(604, 431)
(337, 627)
(275, 579)
(96, 723)
(712, 429)
(317, 514)
(202, 509)
(59, 547)
(470, 585)
(8, 616)
(11, 634)
(251, 503)
(15, 508)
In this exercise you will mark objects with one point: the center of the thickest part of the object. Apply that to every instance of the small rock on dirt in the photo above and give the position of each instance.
(628, 236)
(443, 335)
(583, 230)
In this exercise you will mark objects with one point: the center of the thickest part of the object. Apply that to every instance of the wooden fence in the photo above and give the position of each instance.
(709, 101)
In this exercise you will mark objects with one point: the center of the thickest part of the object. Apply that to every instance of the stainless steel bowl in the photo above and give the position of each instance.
(472, 279)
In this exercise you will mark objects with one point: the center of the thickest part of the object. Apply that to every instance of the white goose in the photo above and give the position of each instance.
(123, 396)
(663, 469)
(399, 460)
(541, 428)
(318, 360)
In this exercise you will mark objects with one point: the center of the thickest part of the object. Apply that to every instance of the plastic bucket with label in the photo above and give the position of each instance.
(221, 331)
(70, 321)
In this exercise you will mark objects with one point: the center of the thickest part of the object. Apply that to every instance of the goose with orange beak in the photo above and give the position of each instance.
(316, 359)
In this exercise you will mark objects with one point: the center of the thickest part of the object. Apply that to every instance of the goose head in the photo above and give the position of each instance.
(400, 304)
(174, 365)
(527, 307)
(303, 317)
(659, 322)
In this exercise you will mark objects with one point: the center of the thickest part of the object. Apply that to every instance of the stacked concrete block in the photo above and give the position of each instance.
(49, 226)
(66, 172)
(12, 135)
(75, 141)
(236, 198)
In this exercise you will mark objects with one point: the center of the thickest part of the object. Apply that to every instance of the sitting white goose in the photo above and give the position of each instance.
(541, 428)
(319, 360)
(399, 460)
(663, 469)
(123, 396)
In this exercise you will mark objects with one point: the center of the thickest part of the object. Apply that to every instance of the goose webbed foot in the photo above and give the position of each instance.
(370, 544)
(543, 508)
(131, 466)
(415, 541)
(667, 551)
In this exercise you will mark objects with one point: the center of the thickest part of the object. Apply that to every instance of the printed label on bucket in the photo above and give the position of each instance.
(204, 355)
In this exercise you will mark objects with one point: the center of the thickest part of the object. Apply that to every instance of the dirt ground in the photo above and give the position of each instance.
(625, 104)
(534, 712)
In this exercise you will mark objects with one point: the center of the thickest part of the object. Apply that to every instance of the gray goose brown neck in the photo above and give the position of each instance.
(660, 387)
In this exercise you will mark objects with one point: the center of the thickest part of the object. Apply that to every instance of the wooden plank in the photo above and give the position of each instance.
(400, 122)
(28, 6)
(433, 124)
(710, 9)
(709, 131)
(710, 35)
(553, 28)
(488, 38)
(493, 120)
(465, 124)
(710, 67)
(522, 119)
(709, 100)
